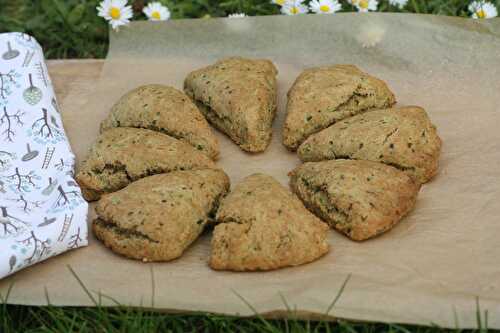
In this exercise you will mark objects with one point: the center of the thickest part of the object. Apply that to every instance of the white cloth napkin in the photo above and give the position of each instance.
(42, 212)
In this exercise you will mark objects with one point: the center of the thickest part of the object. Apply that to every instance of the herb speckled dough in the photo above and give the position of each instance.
(158, 217)
(238, 96)
(122, 155)
(166, 110)
(402, 137)
(361, 199)
(263, 226)
(321, 96)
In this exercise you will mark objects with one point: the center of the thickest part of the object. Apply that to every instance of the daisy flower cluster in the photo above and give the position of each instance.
(294, 7)
(482, 9)
(479, 9)
(119, 12)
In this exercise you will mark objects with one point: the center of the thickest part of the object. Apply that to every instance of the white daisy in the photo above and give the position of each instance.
(364, 6)
(294, 7)
(324, 6)
(116, 12)
(279, 2)
(237, 15)
(483, 9)
(398, 3)
(155, 11)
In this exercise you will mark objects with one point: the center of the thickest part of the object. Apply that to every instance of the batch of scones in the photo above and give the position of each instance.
(153, 166)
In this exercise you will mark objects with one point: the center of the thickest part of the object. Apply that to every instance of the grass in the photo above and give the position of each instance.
(71, 29)
(17, 318)
(122, 319)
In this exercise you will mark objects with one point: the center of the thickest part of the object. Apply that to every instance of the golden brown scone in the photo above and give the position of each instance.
(402, 137)
(322, 96)
(166, 110)
(361, 199)
(158, 217)
(122, 155)
(262, 226)
(238, 96)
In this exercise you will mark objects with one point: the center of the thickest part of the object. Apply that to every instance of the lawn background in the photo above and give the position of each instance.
(71, 29)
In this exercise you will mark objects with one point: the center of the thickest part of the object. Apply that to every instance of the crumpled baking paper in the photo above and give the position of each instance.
(429, 269)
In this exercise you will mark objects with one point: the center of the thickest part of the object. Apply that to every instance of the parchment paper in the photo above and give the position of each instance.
(428, 270)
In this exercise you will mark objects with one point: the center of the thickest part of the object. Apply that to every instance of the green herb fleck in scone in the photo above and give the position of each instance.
(158, 217)
(122, 155)
(238, 96)
(361, 199)
(262, 226)
(322, 96)
(167, 110)
(402, 137)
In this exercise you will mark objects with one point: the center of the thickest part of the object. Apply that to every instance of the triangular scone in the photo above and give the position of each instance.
(166, 110)
(122, 155)
(238, 96)
(158, 217)
(361, 199)
(263, 226)
(322, 96)
(402, 137)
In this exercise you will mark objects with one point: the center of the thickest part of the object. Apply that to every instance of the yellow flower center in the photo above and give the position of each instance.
(280, 2)
(363, 4)
(294, 10)
(481, 13)
(156, 15)
(324, 8)
(115, 13)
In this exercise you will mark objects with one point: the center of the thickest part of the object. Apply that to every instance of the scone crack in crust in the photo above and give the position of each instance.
(221, 122)
(122, 155)
(126, 232)
(359, 198)
(165, 110)
(238, 96)
(263, 226)
(323, 206)
(402, 137)
(322, 96)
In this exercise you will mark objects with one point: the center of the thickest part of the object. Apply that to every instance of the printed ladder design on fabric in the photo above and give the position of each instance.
(41, 74)
(27, 58)
(65, 228)
(48, 157)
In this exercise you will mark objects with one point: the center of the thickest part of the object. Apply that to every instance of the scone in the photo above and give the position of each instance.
(402, 137)
(322, 96)
(158, 217)
(262, 226)
(122, 155)
(166, 110)
(361, 199)
(238, 96)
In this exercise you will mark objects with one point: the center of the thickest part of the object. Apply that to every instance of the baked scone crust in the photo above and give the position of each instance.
(263, 226)
(237, 96)
(321, 96)
(122, 155)
(167, 110)
(361, 199)
(158, 217)
(402, 137)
